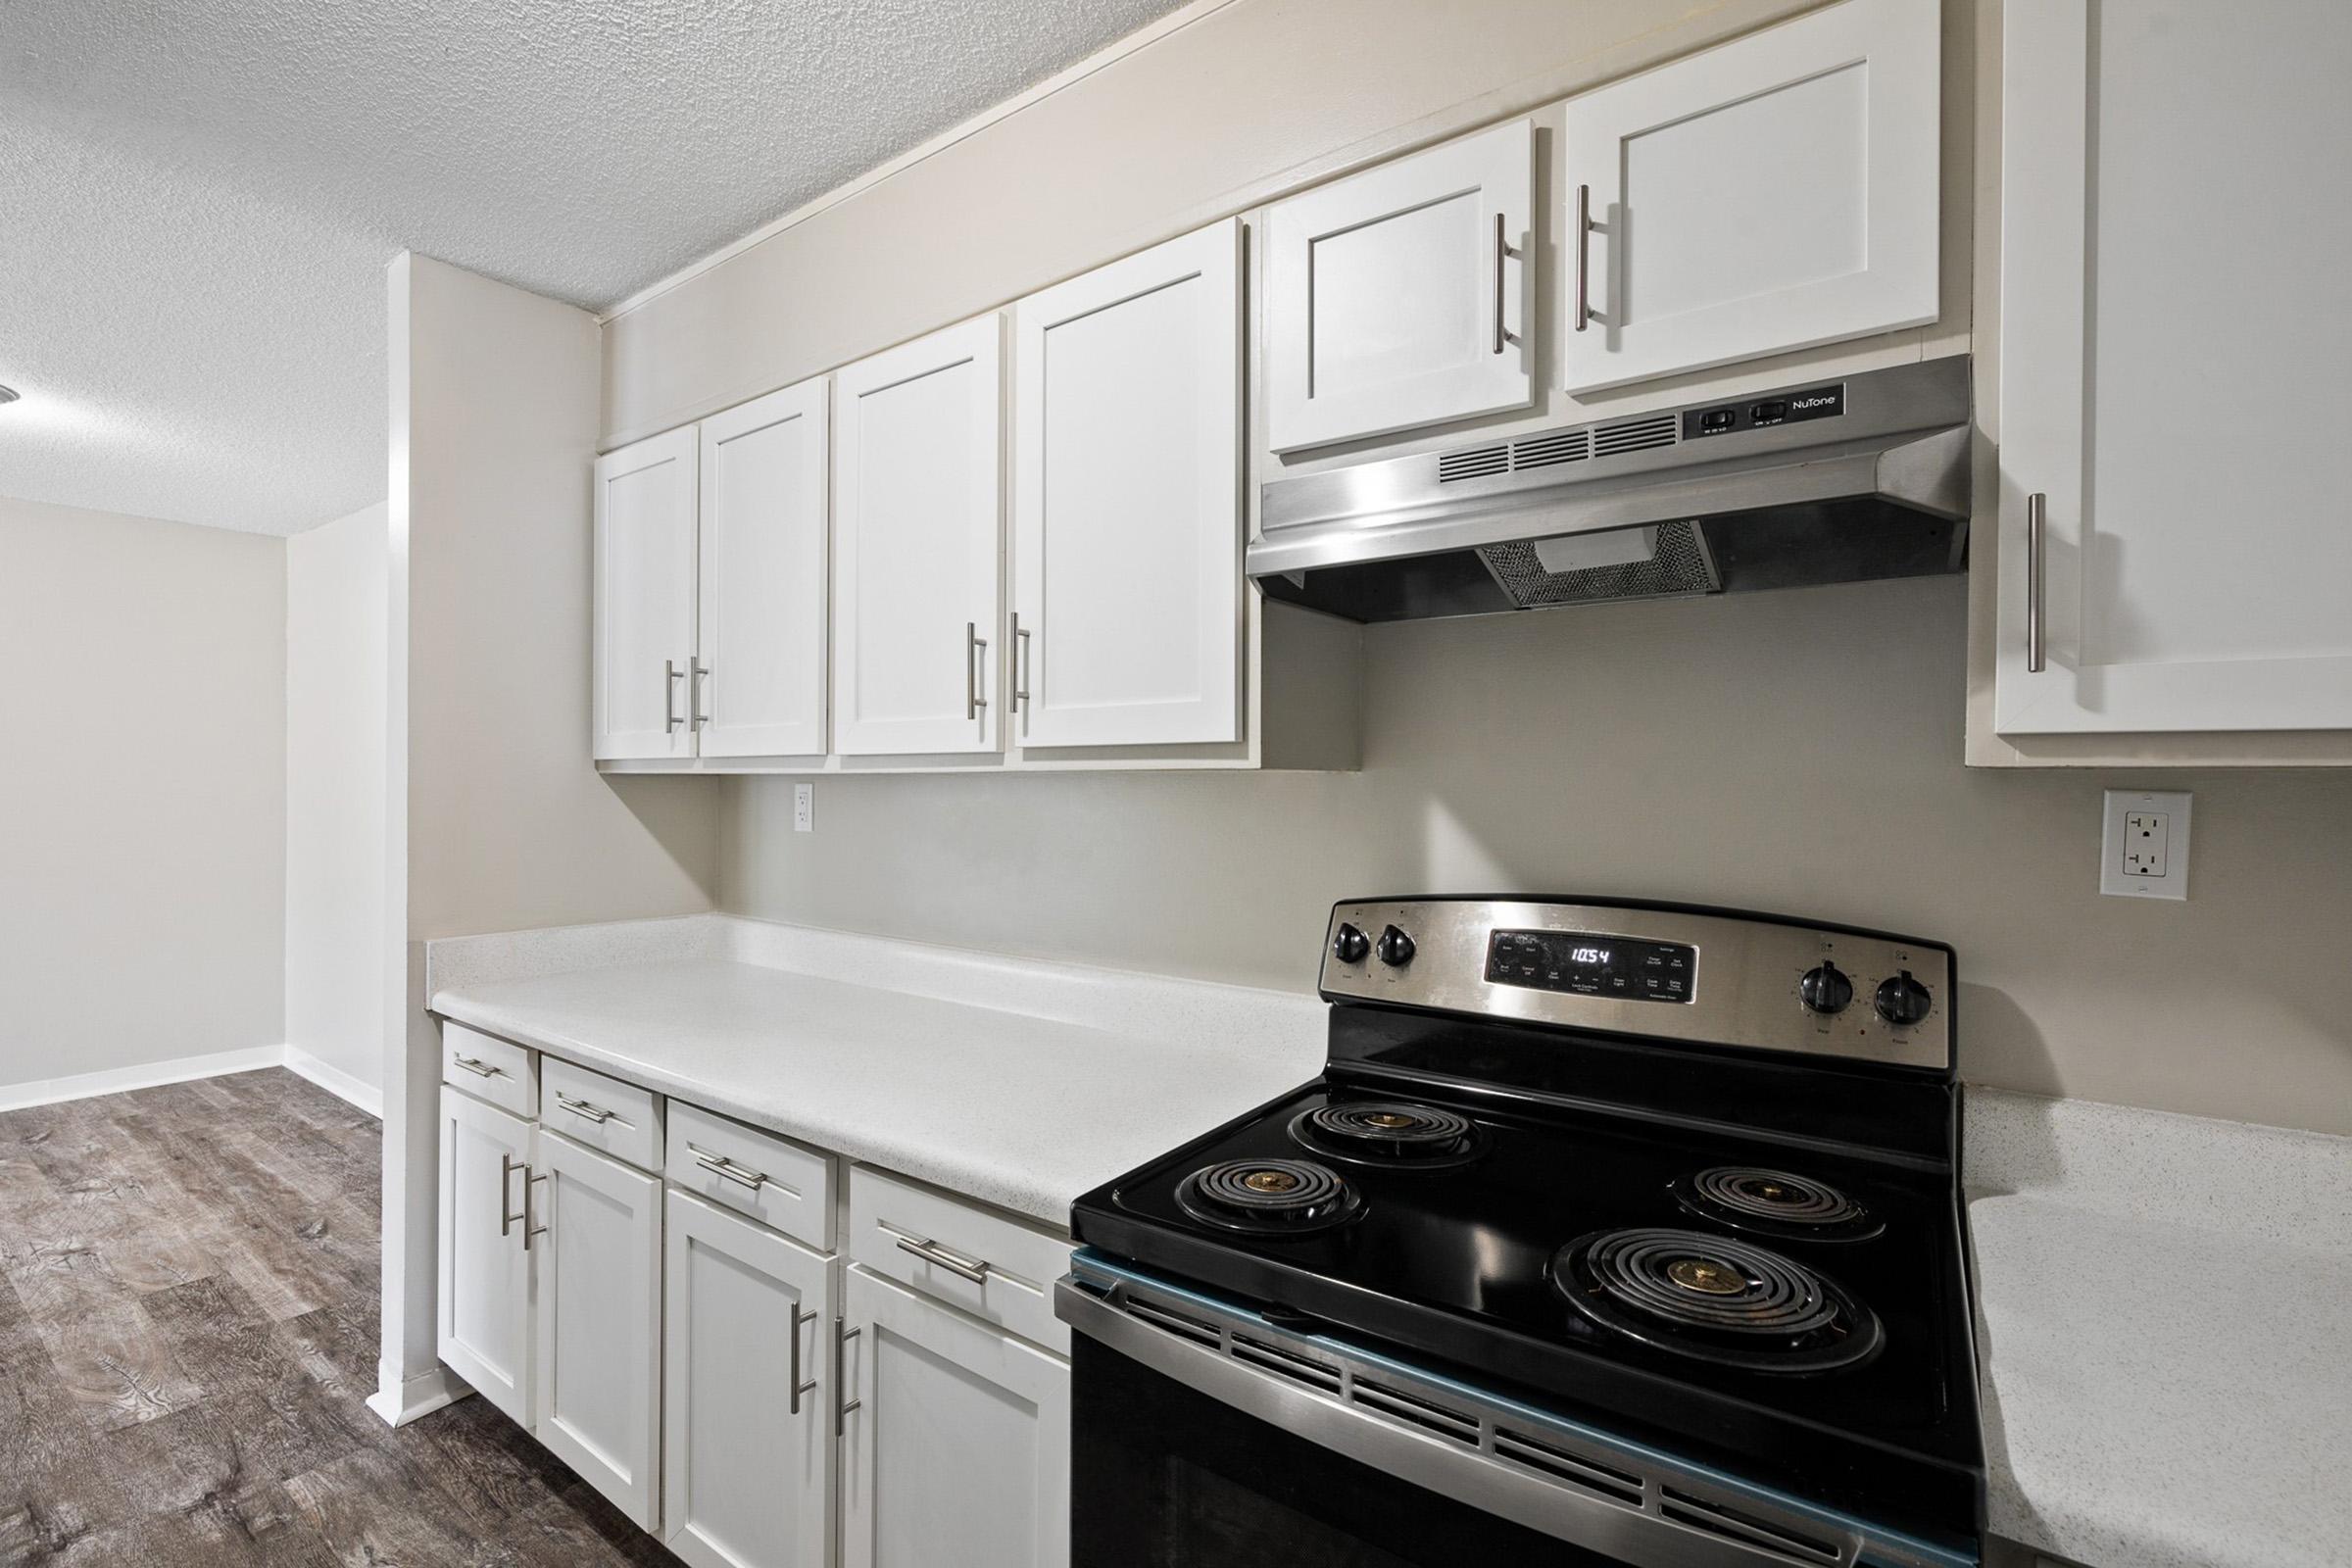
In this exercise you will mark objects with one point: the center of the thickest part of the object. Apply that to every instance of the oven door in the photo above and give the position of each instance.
(1205, 1437)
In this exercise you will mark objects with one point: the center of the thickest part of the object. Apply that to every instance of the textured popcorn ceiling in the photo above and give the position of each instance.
(197, 197)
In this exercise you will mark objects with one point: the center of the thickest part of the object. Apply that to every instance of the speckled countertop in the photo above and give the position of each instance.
(2166, 1309)
(968, 1092)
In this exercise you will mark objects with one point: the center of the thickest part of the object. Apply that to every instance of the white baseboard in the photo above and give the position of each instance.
(112, 1081)
(182, 1070)
(401, 1403)
(336, 1081)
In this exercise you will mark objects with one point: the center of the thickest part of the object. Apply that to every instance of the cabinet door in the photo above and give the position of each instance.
(643, 626)
(597, 1311)
(1773, 193)
(1127, 532)
(485, 1278)
(2167, 376)
(918, 541)
(957, 1446)
(747, 1473)
(761, 680)
(1399, 298)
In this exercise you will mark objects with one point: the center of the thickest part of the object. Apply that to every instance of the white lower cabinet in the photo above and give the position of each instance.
(955, 1438)
(596, 1313)
(747, 1471)
(484, 1326)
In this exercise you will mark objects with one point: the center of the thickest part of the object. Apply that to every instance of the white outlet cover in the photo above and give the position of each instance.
(804, 807)
(2143, 828)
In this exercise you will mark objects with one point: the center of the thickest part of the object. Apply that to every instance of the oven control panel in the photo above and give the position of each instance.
(1589, 964)
(1743, 981)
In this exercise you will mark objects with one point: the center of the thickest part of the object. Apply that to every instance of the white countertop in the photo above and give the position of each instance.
(2165, 1304)
(1023, 1111)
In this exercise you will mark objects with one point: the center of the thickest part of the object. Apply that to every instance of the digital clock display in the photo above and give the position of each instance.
(1581, 963)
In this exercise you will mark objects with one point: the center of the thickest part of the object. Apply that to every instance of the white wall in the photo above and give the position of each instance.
(337, 587)
(496, 819)
(142, 793)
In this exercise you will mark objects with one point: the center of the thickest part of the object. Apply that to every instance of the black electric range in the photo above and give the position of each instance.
(1613, 1233)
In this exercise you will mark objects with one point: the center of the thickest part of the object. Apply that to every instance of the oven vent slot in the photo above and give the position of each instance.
(1561, 1465)
(1544, 451)
(1636, 435)
(1716, 1519)
(1283, 1363)
(1167, 1317)
(1423, 1414)
(1476, 462)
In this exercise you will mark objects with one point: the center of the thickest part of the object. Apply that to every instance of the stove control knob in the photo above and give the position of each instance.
(1349, 946)
(1902, 1000)
(1825, 987)
(1395, 947)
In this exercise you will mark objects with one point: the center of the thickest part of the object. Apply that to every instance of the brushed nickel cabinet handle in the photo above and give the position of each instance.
(508, 1165)
(478, 1066)
(671, 674)
(2037, 587)
(841, 1350)
(1584, 262)
(1502, 251)
(1020, 664)
(585, 1110)
(696, 673)
(975, 647)
(529, 1227)
(721, 1165)
(792, 1400)
(974, 1270)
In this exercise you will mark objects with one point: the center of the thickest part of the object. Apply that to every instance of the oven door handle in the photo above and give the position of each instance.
(1675, 1524)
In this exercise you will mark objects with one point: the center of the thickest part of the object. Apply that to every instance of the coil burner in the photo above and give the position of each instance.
(1388, 1132)
(1269, 1197)
(1715, 1299)
(1773, 1202)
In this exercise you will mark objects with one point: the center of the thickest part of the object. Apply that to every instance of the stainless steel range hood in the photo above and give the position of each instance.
(1835, 480)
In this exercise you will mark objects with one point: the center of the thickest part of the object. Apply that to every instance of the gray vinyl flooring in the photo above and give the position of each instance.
(188, 1302)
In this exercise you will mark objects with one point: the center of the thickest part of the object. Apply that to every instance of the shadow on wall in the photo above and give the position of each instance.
(678, 814)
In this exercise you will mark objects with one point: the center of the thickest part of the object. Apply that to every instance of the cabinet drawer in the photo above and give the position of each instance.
(489, 1068)
(992, 1266)
(605, 1113)
(772, 1179)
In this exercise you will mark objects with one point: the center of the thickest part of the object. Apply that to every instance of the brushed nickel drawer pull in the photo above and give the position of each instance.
(1020, 664)
(478, 1066)
(799, 1388)
(721, 1165)
(971, 1268)
(1502, 251)
(1584, 262)
(583, 1109)
(696, 673)
(530, 1228)
(2037, 587)
(975, 649)
(671, 674)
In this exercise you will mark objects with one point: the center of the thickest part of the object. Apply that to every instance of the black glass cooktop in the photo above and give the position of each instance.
(1786, 1303)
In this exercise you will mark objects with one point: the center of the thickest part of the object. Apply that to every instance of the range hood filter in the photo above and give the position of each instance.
(1678, 563)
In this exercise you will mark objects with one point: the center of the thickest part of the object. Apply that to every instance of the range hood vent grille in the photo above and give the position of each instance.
(1475, 463)
(1636, 435)
(1542, 451)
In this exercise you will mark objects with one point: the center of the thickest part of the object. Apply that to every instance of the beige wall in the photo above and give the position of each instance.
(337, 646)
(1795, 751)
(142, 798)
(1798, 752)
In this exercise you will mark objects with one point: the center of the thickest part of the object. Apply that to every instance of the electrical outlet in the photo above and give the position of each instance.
(2143, 847)
(804, 807)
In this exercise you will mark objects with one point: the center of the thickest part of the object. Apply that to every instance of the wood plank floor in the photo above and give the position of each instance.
(188, 1304)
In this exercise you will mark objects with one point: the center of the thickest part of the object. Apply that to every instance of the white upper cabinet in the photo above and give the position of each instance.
(761, 674)
(1399, 297)
(1774, 193)
(2171, 549)
(1127, 518)
(643, 612)
(918, 545)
